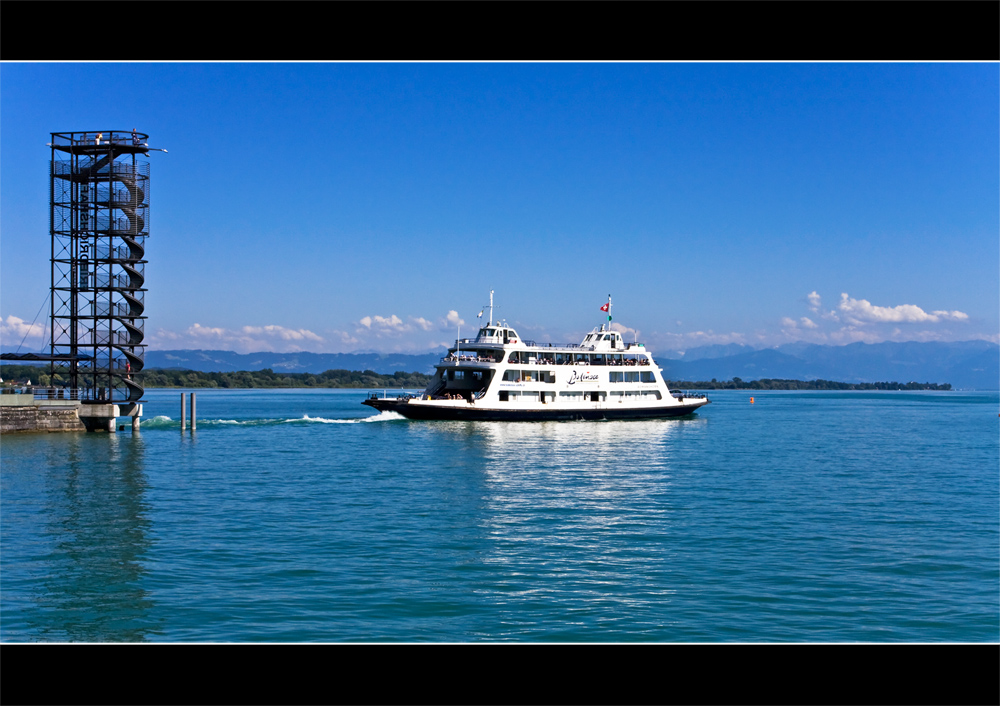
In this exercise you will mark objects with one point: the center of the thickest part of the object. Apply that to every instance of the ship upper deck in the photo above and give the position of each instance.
(494, 341)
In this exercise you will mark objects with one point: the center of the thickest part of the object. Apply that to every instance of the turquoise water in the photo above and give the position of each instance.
(300, 516)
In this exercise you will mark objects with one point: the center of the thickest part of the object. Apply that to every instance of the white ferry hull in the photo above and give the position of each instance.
(413, 409)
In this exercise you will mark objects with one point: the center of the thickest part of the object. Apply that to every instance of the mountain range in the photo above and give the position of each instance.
(963, 364)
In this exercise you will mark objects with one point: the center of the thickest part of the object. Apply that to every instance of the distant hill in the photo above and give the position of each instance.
(228, 361)
(964, 364)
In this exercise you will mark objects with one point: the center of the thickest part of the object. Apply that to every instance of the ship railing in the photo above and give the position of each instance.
(468, 360)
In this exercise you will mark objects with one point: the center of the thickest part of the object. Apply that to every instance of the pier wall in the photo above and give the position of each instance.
(21, 413)
(28, 415)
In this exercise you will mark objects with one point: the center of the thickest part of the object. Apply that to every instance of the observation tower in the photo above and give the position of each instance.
(99, 221)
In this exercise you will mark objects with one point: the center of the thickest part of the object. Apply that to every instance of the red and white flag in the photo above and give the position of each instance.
(605, 307)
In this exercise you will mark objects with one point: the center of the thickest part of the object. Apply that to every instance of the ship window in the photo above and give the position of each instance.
(616, 376)
(504, 396)
(652, 394)
(632, 377)
(647, 376)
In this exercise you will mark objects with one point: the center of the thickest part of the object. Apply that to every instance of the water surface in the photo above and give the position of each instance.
(299, 515)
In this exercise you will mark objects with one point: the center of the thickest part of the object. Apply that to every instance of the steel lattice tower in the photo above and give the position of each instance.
(99, 221)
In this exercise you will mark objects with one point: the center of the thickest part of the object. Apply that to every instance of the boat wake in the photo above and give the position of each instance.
(165, 422)
(380, 417)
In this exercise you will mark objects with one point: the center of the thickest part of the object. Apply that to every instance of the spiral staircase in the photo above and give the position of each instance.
(100, 220)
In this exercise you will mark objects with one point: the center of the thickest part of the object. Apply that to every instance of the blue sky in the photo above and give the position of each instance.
(339, 207)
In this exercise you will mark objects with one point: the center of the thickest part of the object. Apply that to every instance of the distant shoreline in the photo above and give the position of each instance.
(777, 384)
(173, 378)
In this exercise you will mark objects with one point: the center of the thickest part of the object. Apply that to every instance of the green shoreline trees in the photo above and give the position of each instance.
(368, 379)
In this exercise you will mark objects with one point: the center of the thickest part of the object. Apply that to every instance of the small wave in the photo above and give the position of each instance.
(380, 417)
(165, 422)
(158, 422)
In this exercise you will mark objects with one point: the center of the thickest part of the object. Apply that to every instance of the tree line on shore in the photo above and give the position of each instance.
(171, 377)
(267, 378)
(776, 384)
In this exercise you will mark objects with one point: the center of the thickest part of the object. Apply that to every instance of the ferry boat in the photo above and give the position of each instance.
(499, 376)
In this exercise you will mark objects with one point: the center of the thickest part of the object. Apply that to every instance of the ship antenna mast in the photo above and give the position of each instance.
(491, 309)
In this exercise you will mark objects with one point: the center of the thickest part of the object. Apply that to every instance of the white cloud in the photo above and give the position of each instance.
(626, 332)
(453, 319)
(207, 332)
(808, 323)
(814, 300)
(788, 323)
(384, 324)
(286, 334)
(15, 328)
(392, 321)
(246, 339)
(423, 323)
(861, 311)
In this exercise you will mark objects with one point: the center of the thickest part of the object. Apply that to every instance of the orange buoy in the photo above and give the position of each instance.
(751, 400)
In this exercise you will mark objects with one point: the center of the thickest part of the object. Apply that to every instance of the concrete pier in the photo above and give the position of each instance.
(24, 413)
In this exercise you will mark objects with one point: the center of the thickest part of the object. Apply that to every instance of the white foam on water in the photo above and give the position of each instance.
(380, 417)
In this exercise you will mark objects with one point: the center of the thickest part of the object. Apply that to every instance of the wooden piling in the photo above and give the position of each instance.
(183, 412)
